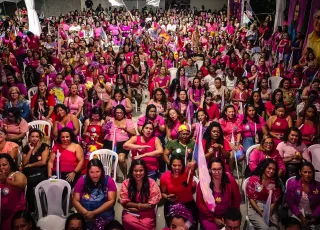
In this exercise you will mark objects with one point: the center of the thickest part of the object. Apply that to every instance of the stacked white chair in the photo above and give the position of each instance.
(109, 161)
(31, 92)
(43, 126)
(274, 82)
(248, 225)
(173, 73)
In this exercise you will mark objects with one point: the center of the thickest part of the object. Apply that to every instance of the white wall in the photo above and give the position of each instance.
(130, 4)
(208, 4)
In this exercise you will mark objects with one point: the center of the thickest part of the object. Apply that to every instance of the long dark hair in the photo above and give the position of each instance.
(23, 214)
(76, 216)
(273, 98)
(89, 185)
(16, 114)
(207, 94)
(150, 106)
(278, 106)
(306, 164)
(224, 179)
(315, 116)
(177, 101)
(261, 168)
(245, 117)
(164, 98)
(177, 157)
(193, 87)
(13, 166)
(294, 129)
(207, 134)
(225, 109)
(120, 76)
(73, 138)
(148, 123)
(251, 101)
(132, 187)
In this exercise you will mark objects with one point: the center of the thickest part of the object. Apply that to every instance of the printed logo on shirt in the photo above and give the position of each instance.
(218, 199)
(316, 191)
(5, 191)
(258, 188)
(178, 150)
(86, 196)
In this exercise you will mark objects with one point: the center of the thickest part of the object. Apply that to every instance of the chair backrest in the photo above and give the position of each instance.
(116, 49)
(198, 64)
(315, 156)
(108, 159)
(274, 82)
(55, 192)
(31, 92)
(52, 222)
(244, 186)
(43, 126)
(249, 150)
(173, 73)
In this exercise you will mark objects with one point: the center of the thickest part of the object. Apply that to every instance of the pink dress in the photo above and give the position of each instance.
(12, 200)
(146, 220)
(230, 128)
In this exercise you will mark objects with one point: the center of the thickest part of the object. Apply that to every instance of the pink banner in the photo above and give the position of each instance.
(297, 10)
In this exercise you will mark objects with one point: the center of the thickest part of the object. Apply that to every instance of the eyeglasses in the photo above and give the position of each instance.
(268, 143)
(14, 93)
(219, 170)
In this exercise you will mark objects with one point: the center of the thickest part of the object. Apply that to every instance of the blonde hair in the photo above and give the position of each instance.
(15, 88)
(264, 138)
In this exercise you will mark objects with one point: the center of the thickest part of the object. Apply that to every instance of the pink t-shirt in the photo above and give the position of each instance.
(158, 119)
(251, 128)
(73, 106)
(119, 134)
(288, 149)
(230, 127)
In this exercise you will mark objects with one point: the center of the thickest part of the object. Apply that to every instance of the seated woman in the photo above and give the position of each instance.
(210, 107)
(180, 218)
(12, 81)
(12, 185)
(173, 120)
(183, 146)
(139, 195)
(279, 123)
(74, 102)
(118, 130)
(15, 125)
(277, 97)
(34, 161)
(160, 101)
(293, 151)
(253, 127)
(309, 125)
(119, 98)
(225, 192)
(215, 145)
(263, 180)
(184, 105)
(266, 150)
(48, 101)
(289, 96)
(176, 188)
(302, 196)
(64, 119)
(8, 147)
(148, 147)
(202, 118)
(70, 154)
(95, 195)
(256, 101)
(75, 221)
(23, 220)
(157, 120)
(16, 100)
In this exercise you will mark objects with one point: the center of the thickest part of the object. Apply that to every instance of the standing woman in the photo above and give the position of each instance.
(196, 92)
(173, 120)
(118, 130)
(253, 127)
(309, 125)
(279, 123)
(34, 161)
(225, 192)
(95, 195)
(139, 195)
(12, 185)
(303, 196)
(148, 147)
(293, 151)
(175, 187)
(264, 180)
(71, 157)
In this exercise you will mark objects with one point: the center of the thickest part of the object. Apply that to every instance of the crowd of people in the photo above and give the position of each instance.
(203, 75)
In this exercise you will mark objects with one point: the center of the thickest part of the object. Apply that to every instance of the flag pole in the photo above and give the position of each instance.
(128, 10)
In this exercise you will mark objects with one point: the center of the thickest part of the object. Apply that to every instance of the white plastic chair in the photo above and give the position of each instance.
(198, 64)
(248, 224)
(43, 126)
(109, 161)
(274, 82)
(116, 49)
(315, 159)
(249, 150)
(31, 92)
(135, 105)
(173, 73)
(80, 125)
(52, 222)
(53, 189)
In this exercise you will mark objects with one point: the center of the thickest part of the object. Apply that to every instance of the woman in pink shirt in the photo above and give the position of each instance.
(173, 120)
(74, 102)
(293, 151)
(147, 147)
(162, 80)
(266, 150)
(118, 130)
